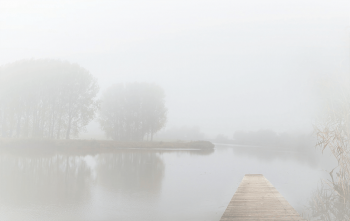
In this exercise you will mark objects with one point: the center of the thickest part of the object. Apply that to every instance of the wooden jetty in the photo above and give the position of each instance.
(257, 199)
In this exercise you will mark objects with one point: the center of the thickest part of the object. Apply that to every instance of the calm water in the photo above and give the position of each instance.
(152, 185)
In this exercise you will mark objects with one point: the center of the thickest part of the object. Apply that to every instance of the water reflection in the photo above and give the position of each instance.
(63, 179)
(62, 187)
(130, 171)
(142, 184)
(43, 180)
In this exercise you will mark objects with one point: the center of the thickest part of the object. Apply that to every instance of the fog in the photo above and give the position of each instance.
(225, 66)
(265, 81)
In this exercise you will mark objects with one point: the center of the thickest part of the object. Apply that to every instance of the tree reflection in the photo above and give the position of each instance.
(43, 180)
(48, 179)
(130, 171)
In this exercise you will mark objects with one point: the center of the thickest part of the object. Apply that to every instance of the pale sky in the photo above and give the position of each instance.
(224, 65)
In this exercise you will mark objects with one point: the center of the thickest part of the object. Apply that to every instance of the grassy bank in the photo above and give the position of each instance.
(98, 145)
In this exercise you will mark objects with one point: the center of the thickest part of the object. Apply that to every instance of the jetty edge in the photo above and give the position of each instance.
(257, 199)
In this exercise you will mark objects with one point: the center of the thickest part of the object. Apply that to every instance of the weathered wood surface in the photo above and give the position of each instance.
(257, 199)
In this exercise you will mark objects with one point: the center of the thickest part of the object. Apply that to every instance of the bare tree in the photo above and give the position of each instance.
(332, 200)
(132, 111)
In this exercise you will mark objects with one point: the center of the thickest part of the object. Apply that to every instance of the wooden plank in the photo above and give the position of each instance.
(257, 199)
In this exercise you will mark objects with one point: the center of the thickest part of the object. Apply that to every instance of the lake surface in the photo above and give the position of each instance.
(148, 184)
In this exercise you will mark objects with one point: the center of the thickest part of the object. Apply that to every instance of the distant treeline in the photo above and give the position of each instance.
(56, 99)
(269, 138)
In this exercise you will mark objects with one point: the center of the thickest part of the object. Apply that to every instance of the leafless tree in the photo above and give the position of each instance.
(331, 202)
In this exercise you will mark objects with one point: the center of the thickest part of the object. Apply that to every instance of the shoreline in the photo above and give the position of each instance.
(96, 146)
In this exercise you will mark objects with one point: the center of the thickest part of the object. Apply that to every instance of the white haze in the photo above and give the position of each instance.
(224, 65)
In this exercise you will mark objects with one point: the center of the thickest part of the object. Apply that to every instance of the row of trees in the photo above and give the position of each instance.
(272, 139)
(56, 99)
(46, 99)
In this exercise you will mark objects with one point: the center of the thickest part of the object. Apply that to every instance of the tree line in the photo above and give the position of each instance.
(271, 138)
(57, 100)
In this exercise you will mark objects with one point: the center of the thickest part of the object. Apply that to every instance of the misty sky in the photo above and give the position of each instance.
(224, 65)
